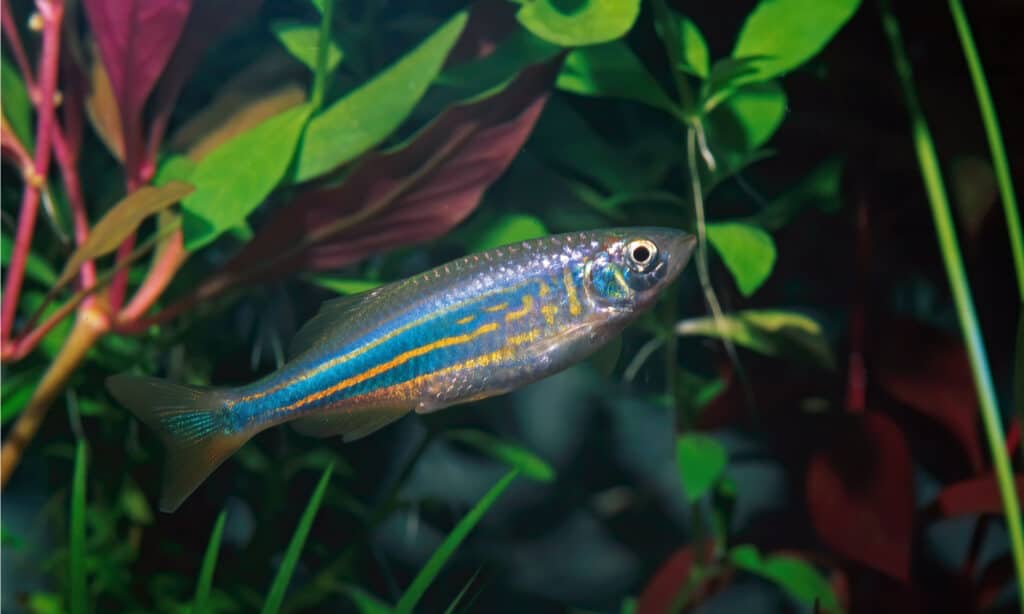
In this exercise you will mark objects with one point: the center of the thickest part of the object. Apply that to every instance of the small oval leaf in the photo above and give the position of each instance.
(587, 23)
(701, 462)
(748, 253)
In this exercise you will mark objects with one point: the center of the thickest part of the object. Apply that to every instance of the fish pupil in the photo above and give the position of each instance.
(641, 254)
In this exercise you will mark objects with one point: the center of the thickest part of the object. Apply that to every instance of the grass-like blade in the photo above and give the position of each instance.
(462, 594)
(291, 556)
(199, 605)
(451, 543)
(79, 600)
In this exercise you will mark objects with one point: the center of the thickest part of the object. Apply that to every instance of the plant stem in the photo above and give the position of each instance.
(165, 264)
(943, 219)
(90, 325)
(52, 13)
(324, 43)
(14, 40)
(995, 140)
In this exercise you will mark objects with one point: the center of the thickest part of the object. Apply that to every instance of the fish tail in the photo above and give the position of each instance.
(193, 423)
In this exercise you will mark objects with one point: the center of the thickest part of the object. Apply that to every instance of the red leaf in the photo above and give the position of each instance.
(664, 587)
(977, 495)
(860, 493)
(928, 370)
(136, 39)
(413, 193)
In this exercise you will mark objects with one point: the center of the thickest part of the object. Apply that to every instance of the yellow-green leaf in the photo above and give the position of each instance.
(588, 22)
(748, 253)
(770, 332)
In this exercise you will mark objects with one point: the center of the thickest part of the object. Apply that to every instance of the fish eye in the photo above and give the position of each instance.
(641, 253)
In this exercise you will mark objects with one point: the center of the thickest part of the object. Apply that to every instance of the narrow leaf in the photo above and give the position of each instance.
(694, 48)
(425, 577)
(342, 286)
(794, 576)
(201, 602)
(366, 116)
(517, 457)
(365, 602)
(612, 70)
(787, 33)
(748, 253)
(588, 22)
(17, 108)
(35, 267)
(236, 177)
(702, 461)
(79, 597)
(767, 331)
(122, 220)
(302, 41)
(275, 597)
(510, 228)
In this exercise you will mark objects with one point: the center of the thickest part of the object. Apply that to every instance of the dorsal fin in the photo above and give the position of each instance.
(330, 319)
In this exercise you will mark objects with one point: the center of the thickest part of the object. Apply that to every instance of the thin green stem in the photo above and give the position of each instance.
(995, 139)
(944, 229)
(324, 44)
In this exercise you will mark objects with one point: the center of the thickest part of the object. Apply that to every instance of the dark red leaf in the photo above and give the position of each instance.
(860, 493)
(978, 495)
(670, 579)
(413, 193)
(928, 370)
(136, 39)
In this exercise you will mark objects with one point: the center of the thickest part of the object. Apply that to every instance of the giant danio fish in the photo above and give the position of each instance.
(476, 327)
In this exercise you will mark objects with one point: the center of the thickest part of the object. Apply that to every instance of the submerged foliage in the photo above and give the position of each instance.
(795, 424)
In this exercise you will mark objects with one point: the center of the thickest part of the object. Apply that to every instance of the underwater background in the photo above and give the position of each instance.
(822, 415)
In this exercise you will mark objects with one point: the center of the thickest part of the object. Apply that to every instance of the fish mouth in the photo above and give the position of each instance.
(678, 247)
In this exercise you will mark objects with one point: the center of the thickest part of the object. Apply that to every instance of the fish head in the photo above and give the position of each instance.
(633, 265)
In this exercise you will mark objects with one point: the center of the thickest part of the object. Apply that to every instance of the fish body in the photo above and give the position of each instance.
(476, 327)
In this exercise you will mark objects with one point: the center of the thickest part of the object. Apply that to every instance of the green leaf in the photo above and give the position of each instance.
(787, 33)
(770, 332)
(695, 49)
(820, 188)
(370, 113)
(291, 556)
(174, 168)
(122, 220)
(517, 457)
(54, 340)
(234, 179)
(575, 23)
(701, 462)
(17, 107)
(200, 603)
(79, 597)
(510, 228)
(612, 70)
(342, 286)
(302, 41)
(365, 602)
(133, 501)
(425, 577)
(515, 52)
(748, 253)
(760, 109)
(35, 267)
(797, 578)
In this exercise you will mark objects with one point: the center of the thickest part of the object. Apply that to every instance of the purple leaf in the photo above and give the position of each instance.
(136, 39)
(412, 193)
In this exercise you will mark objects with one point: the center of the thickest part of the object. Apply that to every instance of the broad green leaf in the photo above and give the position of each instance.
(200, 603)
(796, 577)
(122, 220)
(17, 107)
(275, 597)
(342, 286)
(579, 22)
(747, 251)
(370, 113)
(78, 597)
(302, 40)
(787, 33)
(759, 108)
(236, 177)
(35, 267)
(770, 332)
(694, 48)
(174, 168)
(451, 543)
(515, 52)
(510, 228)
(612, 70)
(517, 457)
(820, 188)
(701, 462)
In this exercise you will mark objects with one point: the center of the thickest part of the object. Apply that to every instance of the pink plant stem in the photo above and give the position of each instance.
(73, 185)
(14, 40)
(52, 11)
(167, 263)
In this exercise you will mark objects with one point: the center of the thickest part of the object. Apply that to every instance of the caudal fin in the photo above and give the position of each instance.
(192, 423)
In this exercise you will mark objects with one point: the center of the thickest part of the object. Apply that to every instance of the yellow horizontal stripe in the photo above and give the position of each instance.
(401, 359)
(465, 320)
(498, 307)
(522, 311)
